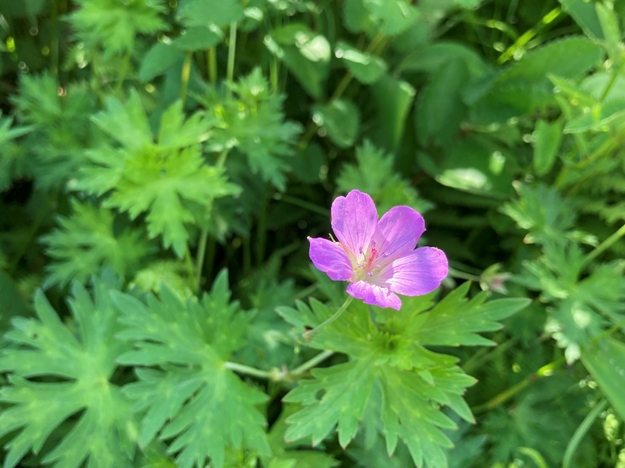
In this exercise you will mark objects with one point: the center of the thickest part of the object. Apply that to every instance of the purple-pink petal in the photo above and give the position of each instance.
(354, 221)
(374, 294)
(398, 232)
(331, 259)
(419, 272)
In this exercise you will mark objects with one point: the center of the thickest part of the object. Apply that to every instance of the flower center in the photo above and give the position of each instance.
(364, 266)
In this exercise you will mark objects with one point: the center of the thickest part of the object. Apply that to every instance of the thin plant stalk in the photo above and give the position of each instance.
(309, 334)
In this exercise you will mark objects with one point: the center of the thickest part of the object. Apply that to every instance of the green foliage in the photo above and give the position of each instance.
(605, 361)
(340, 120)
(87, 242)
(81, 361)
(305, 54)
(162, 141)
(114, 25)
(202, 406)
(365, 67)
(415, 383)
(374, 175)
(163, 178)
(61, 133)
(12, 160)
(252, 121)
(523, 87)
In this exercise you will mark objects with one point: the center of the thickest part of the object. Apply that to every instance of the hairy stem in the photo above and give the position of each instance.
(312, 362)
(309, 334)
(247, 370)
(606, 244)
(527, 36)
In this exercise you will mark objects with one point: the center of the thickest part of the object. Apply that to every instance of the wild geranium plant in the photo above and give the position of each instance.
(209, 219)
(378, 257)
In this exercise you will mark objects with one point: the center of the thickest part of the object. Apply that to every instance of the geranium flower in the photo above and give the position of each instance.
(378, 256)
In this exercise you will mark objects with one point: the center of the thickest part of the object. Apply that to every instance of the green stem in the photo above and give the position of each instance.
(581, 431)
(274, 74)
(232, 47)
(338, 92)
(486, 354)
(199, 261)
(247, 256)
(312, 363)
(212, 65)
(247, 370)
(189, 263)
(262, 227)
(529, 35)
(544, 371)
(303, 204)
(186, 72)
(308, 335)
(504, 396)
(615, 75)
(341, 87)
(54, 39)
(201, 253)
(275, 374)
(462, 275)
(123, 71)
(306, 291)
(606, 244)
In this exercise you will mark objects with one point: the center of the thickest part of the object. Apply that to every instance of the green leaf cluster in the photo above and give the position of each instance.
(164, 177)
(391, 372)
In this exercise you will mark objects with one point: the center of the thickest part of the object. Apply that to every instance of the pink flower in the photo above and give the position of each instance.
(378, 256)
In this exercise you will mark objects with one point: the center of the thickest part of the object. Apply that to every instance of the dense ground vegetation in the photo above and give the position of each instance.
(162, 163)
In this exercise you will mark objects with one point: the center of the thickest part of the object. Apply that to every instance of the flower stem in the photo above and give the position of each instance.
(247, 370)
(308, 335)
(606, 244)
(312, 363)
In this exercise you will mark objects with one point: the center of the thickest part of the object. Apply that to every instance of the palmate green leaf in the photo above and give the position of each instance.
(170, 272)
(410, 407)
(374, 174)
(191, 397)
(293, 454)
(114, 25)
(456, 321)
(542, 211)
(254, 122)
(161, 178)
(103, 436)
(414, 383)
(86, 242)
(60, 131)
